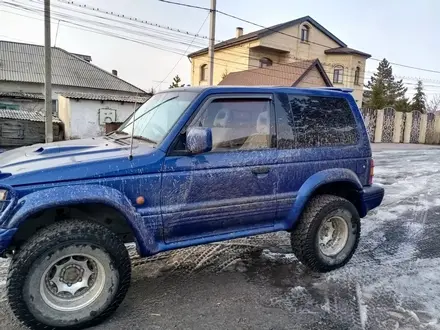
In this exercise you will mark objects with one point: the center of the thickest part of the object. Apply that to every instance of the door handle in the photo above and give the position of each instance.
(261, 170)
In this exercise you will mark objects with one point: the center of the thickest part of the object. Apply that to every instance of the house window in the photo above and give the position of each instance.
(8, 106)
(356, 75)
(55, 107)
(338, 75)
(265, 62)
(204, 72)
(305, 33)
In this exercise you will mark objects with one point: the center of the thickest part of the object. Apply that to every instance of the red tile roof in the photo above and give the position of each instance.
(288, 74)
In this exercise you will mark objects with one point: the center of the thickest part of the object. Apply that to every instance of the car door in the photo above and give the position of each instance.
(231, 188)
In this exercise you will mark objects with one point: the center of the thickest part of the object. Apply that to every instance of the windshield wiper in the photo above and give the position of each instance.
(111, 135)
(139, 137)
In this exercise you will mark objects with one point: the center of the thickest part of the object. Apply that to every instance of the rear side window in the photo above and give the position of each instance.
(315, 121)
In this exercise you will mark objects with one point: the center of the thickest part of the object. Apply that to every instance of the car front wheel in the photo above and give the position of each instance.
(72, 274)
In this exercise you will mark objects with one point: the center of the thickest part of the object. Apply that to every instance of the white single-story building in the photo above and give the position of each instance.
(84, 114)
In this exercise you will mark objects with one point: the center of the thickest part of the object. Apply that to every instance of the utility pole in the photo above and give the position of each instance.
(47, 73)
(212, 41)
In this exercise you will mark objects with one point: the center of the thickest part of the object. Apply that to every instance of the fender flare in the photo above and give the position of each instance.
(313, 183)
(80, 194)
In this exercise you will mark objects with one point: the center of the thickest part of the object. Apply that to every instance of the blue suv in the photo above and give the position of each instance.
(190, 166)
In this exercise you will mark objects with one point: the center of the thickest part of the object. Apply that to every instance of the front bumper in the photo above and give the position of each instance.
(372, 197)
(5, 239)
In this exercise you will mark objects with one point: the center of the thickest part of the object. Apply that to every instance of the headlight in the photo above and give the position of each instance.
(3, 194)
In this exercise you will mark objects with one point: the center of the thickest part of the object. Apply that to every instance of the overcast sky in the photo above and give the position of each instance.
(405, 32)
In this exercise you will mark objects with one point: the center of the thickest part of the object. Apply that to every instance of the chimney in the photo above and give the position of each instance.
(238, 32)
(115, 72)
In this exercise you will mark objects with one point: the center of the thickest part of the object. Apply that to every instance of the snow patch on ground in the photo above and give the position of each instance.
(267, 255)
(393, 279)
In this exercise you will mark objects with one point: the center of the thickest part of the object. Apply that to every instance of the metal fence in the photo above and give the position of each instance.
(390, 126)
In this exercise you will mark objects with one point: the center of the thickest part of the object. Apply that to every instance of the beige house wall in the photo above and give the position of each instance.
(228, 60)
(299, 50)
(312, 79)
(284, 47)
(255, 54)
(350, 63)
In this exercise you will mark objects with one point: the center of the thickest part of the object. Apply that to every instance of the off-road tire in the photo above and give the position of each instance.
(70, 234)
(304, 238)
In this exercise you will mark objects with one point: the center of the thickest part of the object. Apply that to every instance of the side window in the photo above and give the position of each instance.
(265, 62)
(204, 72)
(305, 33)
(238, 124)
(357, 73)
(315, 121)
(338, 75)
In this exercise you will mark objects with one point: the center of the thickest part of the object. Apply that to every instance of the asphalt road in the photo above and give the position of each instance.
(392, 281)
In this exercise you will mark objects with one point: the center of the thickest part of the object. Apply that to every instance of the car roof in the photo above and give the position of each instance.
(262, 89)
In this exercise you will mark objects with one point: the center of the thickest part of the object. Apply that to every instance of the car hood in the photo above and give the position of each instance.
(72, 160)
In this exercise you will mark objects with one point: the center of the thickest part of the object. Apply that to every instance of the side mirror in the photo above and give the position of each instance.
(199, 139)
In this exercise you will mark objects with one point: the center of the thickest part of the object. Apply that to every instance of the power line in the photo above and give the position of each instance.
(126, 17)
(109, 34)
(132, 23)
(141, 42)
(65, 17)
(187, 5)
(96, 9)
(106, 25)
(410, 67)
(205, 37)
(84, 6)
(286, 34)
(95, 30)
(197, 35)
(177, 63)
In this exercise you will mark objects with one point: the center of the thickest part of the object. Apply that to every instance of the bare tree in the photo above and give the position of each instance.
(433, 103)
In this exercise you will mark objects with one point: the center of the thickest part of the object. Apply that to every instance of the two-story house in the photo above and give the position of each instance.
(296, 53)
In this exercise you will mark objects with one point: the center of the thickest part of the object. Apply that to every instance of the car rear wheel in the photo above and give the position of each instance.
(70, 275)
(327, 234)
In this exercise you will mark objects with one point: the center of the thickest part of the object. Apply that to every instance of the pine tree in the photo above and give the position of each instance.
(375, 97)
(176, 82)
(419, 98)
(383, 91)
(403, 105)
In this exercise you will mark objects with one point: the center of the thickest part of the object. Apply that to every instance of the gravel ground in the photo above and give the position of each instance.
(392, 281)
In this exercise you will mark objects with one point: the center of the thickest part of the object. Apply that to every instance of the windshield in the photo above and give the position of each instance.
(155, 118)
